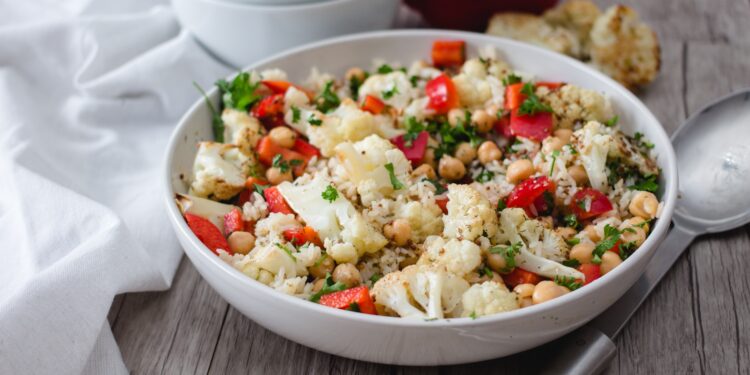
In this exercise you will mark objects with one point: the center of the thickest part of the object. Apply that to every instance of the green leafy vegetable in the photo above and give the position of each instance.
(384, 69)
(240, 93)
(473, 315)
(283, 165)
(532, 104)
(571, 221)
(216, 122)
(328, 287)
(414, 81)
(511, 79)
(572, 263)
(612, 122)
(611, 236)
(573, 241)
(314, 121)
(374, 278)
(327, 100)
(394, 181)
(501, 205)
(509, 254)
(296, 114)
(320, 260)
(647, 184)
(485, 176)
(487, 272)
(330, 194)
(260, 188)
(354, 84)
(439, 188)
(353, 307)
(568, 282)
(555, 154)
(387, 94)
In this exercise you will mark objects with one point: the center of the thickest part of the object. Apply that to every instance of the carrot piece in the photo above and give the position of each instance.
(276, 201)
(277, 87)
(373, 105)
(520, 276)
(513, 96)
(550, 85)
(357, 299)
(207, 233)
(448, 53)
(301, 236)
(267, 149)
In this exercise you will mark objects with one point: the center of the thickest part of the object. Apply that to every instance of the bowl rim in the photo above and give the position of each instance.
(668, 161)
(305, 6)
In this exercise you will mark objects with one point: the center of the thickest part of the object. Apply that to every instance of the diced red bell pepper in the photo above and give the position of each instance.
(243, 197)
(270, 110)
(502, 126)
(442, 94)
(345, 299)
(550, 85)
(544, 205)
(537, 126)
(527, 192)
(277, 87)
(590, 271)
(373, 105)
(233, 221)
(448, 53)
(513, 96)
(599, 203)
(276, 201)
(207, 232)
(442, 202)
(414, 152)
(305, 149)
(520, 276)
(267, 149)
(252, 181)
(303, 235)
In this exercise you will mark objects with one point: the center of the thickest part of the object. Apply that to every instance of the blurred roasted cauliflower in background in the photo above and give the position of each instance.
(614, 41)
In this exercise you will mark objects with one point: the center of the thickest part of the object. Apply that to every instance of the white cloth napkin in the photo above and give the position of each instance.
(89, 93)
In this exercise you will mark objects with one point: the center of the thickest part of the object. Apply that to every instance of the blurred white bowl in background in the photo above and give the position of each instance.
(275, 2)
(240, 33)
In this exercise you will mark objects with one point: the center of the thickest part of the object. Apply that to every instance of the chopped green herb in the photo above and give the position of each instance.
(283, 165)
(330, 194)
(314, 121)
(568, 282)
(532, 104)
(387, 94)
(328, 287)
(573, 241)
(501, 205)
(485, 176)
(473, 315)
(296, 114)
(414, 81)
(511, 79)
(354, 84)
(286, 250)
(439, 188)
(641, 141)
(320, 260)
(240, 93)
(413, 128)
(216, 122)
(555, 154)
(571, 221)
(384, 69)
(572, 263)
(353, 307)
(611, 236)
(327, 100)
(374, 278)
(487, 272)
(260, 188)
(612, 122)
(397, 185)
(509, 254)
(626, 249)
(647, 184)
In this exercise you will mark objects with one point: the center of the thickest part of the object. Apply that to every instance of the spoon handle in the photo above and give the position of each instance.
(589, 349)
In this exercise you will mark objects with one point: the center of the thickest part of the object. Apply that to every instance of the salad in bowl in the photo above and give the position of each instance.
(455, 187)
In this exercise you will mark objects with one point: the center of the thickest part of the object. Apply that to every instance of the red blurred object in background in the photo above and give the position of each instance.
(472, 15)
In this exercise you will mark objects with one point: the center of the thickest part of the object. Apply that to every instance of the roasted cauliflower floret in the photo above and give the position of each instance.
(577, 16)
(535, 30)
(425, 219)
(469, 214)
(459, 257)
(487, 298)
(571, 104)
(220, 170)
(241, 129)
(626, 151)
(625, 48)
(420, 291)
(393, 88)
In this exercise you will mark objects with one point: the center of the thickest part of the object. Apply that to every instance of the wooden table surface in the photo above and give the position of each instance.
(696, 321)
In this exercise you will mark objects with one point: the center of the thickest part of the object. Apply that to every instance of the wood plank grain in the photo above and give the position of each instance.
(173, 331)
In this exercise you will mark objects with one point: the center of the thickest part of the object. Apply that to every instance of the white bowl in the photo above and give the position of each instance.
(275, 2)
(406, 341)
(241, 33)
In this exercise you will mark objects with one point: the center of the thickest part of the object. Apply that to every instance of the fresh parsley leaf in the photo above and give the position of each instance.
(286, 250)
(485, 176)
(283, 165)
(260, 188)
(571, 221)
(328, 287)
(354, 84)
(568, 282)
(240, 93)
(353, 307)
(626, 249)
(572, 263)
(573, 241)
(501, 205)
(330, 194)
(387, 94)
(384, 69)
(487, 272)
(374, 278)
(612, 122)
(414, 81)
(532, 104)
(611, 236)
(439, 188)
(314, 121)
(473, 315)
(647, 184)
(397, 185)
(216, 122)
(555, 154)
(327, 100)
(320, 260)
(413, 128)
(296, 114)
(511, 79)
(509, 254)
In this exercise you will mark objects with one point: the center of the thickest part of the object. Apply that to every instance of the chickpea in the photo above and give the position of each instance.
(519, 170)
(451, 168)
(275, 176)
(399, 231)
(424, 170)
(552, 144)
(524, 290)
(429, 157)
(347, 274)
(283, 136)
(488, 152)
(566, 232)
(465, 153)
(644, 204)
(526, 302)
(564, 135)
(610, 260)
(357, 73)
(321, 269)
(318, 285)
(633, 230)
(456, 115)
(578, 174)
(592, 233)
(582, 252)
(407, 262)
(265, 277)
(496, 262)
(547, 290)
(483, 120)
(546, 221)
(241, 242)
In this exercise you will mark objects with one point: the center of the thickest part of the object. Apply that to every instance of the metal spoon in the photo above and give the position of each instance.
(713, 163)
